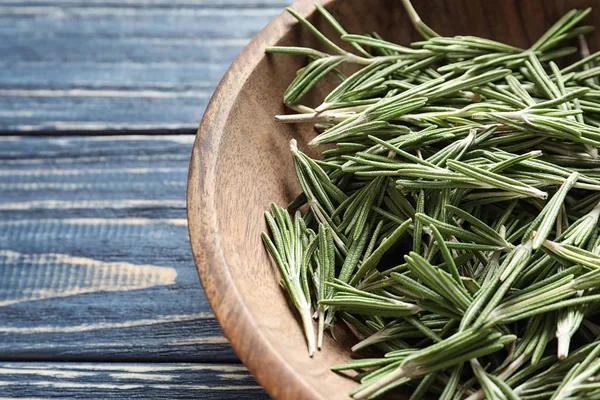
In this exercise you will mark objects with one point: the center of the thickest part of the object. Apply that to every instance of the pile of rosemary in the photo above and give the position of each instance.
(452, 222)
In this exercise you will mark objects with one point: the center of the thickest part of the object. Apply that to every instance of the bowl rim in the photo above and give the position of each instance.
(279, 378)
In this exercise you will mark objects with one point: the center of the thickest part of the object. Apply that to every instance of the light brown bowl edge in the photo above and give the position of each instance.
(269, 368)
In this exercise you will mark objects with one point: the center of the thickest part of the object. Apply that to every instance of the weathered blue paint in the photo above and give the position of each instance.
(106, 65)
(103, 200)
(121, 381)
(99, 297)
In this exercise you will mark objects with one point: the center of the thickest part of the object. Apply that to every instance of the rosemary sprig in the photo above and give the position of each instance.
(452, 221)
(290, 250)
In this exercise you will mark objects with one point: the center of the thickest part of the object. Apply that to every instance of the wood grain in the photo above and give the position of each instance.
(120, 381)
(136, 65)
(241, 163)
(94, 254)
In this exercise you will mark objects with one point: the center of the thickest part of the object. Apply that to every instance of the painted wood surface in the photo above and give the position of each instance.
(104, 65)
(99, 296)
(120, 381)
(95, 260)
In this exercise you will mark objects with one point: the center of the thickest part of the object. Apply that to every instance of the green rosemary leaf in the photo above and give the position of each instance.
(363, 363)
(385, 245)
(546, 334)
(574, 254)
(578, 375)
(551, 211)
(374, 42)
(419, 25)
(495, 180)
(353, 256)
(461, 83)
(506, 390)
(484, 229)
(452, 385)
(416, 290)
(437, 280)
(322, 38)
(301, 51)
(339, 29)
(418, 226)
(424, 386)
(309, 76)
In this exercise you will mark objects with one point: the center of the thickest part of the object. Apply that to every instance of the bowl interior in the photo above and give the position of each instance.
(241, 163)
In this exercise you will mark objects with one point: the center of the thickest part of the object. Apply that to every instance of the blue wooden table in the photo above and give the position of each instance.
(99, 103)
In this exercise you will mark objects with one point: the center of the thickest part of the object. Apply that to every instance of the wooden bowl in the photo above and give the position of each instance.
(241, 162)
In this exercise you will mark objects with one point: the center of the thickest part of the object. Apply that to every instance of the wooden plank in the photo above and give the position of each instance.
(95, 260)
(74, 65)
(119, 381)
(91, 112)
